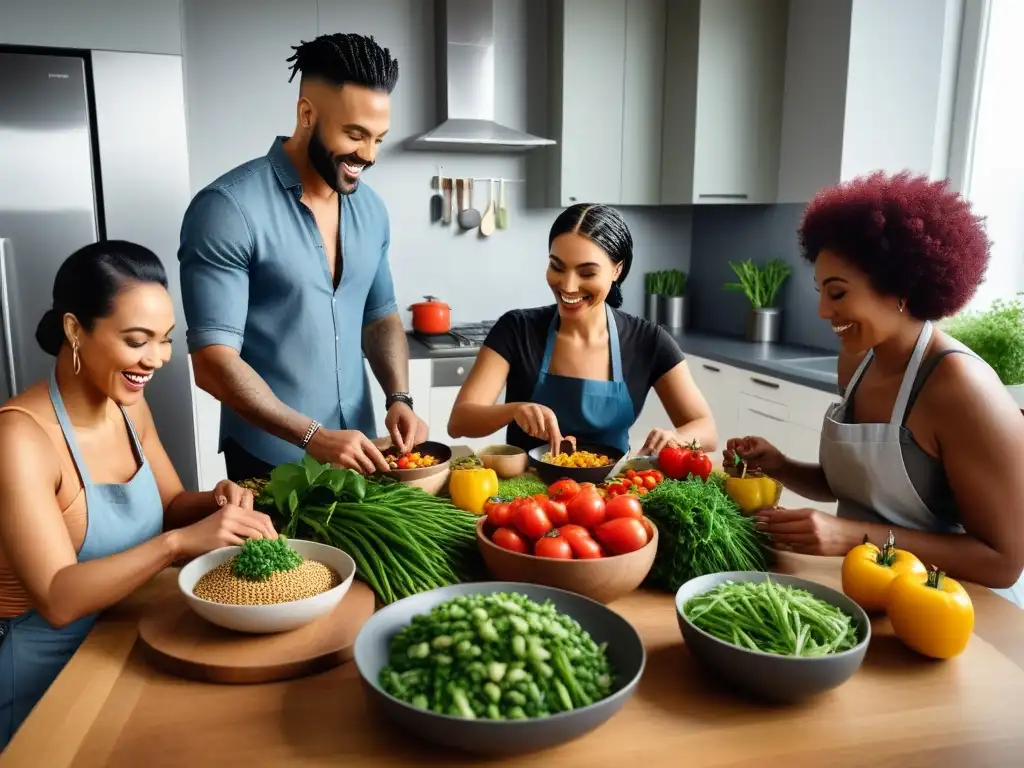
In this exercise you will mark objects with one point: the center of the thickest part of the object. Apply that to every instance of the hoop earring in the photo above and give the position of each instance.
(76, 360)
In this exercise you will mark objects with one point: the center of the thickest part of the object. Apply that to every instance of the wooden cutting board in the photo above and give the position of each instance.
(180, 642)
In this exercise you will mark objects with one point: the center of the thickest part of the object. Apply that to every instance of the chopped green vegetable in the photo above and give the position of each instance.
(701, 531)
(499, 656)
(524, 485)
(772, 618)
(259, 559)
(403, 540)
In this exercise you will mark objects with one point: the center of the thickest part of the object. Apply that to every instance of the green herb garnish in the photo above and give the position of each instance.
(262, 558)
(524, 485)
(761, 285)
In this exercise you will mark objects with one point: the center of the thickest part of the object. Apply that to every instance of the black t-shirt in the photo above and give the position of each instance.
(648, 353)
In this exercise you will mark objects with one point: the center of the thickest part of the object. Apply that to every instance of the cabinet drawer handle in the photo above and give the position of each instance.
(766, 415)
(724, 196)
(763, 383)
(712, 368)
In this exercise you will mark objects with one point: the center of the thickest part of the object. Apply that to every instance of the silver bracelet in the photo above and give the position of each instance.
(312, 429)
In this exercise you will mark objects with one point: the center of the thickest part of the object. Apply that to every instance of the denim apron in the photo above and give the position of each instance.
(119, 517)
(592, 411)
(863, 464)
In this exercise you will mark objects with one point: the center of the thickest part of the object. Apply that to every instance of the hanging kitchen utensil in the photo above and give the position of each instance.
(487, 220)
(470, 217)
(437, 202)
(502, 216)
(431, 316)
(446, 205)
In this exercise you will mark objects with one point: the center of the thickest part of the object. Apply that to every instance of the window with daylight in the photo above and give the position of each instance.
(995, 170)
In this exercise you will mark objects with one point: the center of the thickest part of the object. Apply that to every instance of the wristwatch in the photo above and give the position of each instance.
(398, 397)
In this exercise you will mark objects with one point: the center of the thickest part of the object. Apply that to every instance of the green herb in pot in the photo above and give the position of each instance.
(499, 656)
(760, 285)
(772, 618)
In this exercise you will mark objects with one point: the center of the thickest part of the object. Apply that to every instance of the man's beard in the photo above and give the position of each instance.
(329, 167)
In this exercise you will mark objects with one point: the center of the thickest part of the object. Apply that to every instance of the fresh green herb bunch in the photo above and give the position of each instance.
(524, 485)
(262, 558)
(667, 282)
(996, 336)
(761, 285)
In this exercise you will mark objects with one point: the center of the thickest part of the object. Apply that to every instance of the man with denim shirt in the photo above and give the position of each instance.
(286, 280)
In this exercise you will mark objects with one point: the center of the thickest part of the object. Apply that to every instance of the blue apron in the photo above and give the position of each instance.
(119, 517)
(592, 411)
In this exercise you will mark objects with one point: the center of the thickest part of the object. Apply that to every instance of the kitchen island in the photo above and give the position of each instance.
(110, 708)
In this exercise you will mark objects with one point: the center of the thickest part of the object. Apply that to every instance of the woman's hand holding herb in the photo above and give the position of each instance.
(806, 531)
(757, 452)
(229, 526)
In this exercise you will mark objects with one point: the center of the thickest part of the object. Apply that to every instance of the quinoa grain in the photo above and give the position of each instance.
(221, 585)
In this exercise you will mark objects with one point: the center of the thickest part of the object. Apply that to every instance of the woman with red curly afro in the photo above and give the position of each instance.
(926, 441)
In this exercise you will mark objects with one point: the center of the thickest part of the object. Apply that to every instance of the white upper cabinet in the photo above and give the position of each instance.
(608, 66)
(869, 86)
(723, 89)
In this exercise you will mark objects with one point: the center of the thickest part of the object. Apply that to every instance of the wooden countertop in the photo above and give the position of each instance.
(109, 708)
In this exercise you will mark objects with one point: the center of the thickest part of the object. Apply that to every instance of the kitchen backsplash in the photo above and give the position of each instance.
(724, 233)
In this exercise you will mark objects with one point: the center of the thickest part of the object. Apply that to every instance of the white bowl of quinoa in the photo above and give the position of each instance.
(304, 581)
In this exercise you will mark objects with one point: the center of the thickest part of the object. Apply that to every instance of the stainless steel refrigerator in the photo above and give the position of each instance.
(92, 146)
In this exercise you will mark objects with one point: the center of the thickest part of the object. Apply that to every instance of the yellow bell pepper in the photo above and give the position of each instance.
(868, 572)
(471, 488)
(752, 493)
(931, 614)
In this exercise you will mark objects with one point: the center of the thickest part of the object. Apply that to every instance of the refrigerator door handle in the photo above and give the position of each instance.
(6, 249)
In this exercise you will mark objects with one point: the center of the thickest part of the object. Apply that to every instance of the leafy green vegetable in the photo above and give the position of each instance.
(262, 558)
(524, 485)
(761, 285)
(403, 540)
(996, 336)
(772, 618)
(667, 282)
(498, 656)
(701, 531)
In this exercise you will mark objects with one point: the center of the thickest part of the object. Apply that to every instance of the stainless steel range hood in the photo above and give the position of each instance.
(465, 80)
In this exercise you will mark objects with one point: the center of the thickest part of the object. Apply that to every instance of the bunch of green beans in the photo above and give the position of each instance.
(404, 540)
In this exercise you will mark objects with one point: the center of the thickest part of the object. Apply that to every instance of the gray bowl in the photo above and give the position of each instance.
(512, 737)
(767, 676)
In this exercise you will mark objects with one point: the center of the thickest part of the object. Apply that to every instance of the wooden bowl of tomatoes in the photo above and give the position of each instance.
(574, 540)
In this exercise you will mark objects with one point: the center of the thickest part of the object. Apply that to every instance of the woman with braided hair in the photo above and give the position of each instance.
(581, 367)
(286, 280)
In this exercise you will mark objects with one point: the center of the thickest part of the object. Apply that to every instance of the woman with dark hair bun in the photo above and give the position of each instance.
(926, 441)
(581, 367)
(90, 506)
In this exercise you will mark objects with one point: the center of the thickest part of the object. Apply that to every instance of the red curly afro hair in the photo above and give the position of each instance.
(914, 238)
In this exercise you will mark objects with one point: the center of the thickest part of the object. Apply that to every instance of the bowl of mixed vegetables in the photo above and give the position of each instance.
(498, 668)
(422, 461)
(582, 462)
(776, 637)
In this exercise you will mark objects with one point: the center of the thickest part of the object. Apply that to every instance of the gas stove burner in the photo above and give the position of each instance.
(469, 336)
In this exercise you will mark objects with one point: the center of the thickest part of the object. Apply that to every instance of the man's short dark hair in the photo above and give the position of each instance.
(339, 59)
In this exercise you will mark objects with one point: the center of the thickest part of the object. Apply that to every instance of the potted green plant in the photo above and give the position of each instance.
(996, 335)
(665, 301)
(761, 286)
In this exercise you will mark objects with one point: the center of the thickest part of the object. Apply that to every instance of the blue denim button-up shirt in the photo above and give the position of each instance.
(254, 277)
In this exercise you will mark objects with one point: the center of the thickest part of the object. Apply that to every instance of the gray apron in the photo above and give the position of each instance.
(863, 463)
(120, 516)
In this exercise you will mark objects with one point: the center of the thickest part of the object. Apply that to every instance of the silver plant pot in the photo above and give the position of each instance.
(763, 325)
(672, 312)
(651, 307)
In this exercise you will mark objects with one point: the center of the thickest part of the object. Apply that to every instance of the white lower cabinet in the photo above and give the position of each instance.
(447, 377)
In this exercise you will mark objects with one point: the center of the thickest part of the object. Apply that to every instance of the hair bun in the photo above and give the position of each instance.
(615, 295)
(50, 332)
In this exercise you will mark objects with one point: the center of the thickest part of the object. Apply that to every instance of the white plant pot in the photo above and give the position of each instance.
(1017, 393)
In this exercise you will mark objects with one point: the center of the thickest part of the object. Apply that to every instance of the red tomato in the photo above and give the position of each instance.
(530, 519)
(679, 462)
(658, 477)
(556, 512)
(508, 539)
(641, 491)
(615, 489)
(564, 489)
(630, 473)
(553, 545)
(540, 498)
(499, 512)
(403, 463)
(623, 506)
(625, 534)
(650, 482)
(583, 546)
(586, 509)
